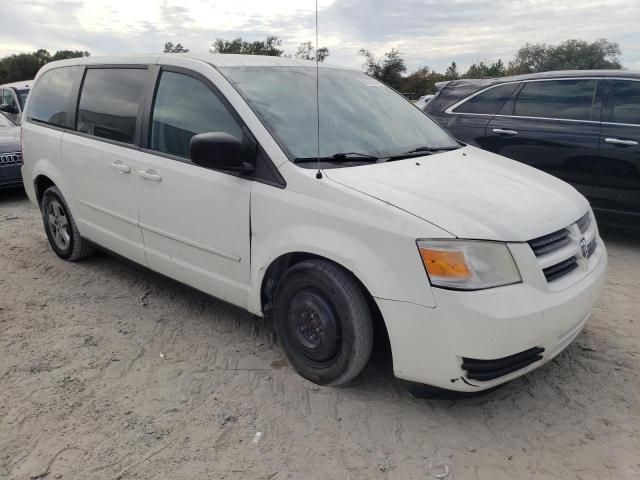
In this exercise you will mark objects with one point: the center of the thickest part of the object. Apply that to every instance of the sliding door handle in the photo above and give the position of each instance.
(149, 175)
(619, 141)
(120, 167)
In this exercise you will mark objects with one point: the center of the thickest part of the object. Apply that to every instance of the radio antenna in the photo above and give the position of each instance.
(318, 173)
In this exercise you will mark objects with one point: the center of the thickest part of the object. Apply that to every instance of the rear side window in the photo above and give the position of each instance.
(563, 99)
(51, 96)
(184, 107)
(625, 99)
(488, 102)
(109, 102)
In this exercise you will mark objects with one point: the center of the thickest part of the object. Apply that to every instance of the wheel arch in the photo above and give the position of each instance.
(40, 184)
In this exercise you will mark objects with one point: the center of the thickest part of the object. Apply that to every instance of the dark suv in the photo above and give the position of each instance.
(581, 126)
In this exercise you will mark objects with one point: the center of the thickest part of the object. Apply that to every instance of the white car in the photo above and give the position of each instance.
(475, 268)
(12, 99)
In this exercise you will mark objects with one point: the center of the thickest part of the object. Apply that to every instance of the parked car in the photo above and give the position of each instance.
(581, 126)
(422, 101)
(206, 169)
(12, 99)
(10, 155)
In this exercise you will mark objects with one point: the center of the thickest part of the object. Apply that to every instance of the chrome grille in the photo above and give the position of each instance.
(10, 158)
(561, 252)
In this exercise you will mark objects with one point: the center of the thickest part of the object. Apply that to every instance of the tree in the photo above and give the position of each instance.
(389, 69)
(307, 52)
(452, 72)
(24, 66)
(481, 70)
(169, 47)
(266, 47)
(571, 54)
(65, 54)
(420, 82)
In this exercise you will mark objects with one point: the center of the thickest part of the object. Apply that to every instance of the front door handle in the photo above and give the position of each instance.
(120, 167)
(502, 131)
(619, 141)
(150, 175)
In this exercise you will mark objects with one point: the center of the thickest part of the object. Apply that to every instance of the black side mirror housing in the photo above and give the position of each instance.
(219, 151)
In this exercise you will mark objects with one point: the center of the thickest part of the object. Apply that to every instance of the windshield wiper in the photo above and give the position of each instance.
(433, 149)
(417, 152)
(340, 157)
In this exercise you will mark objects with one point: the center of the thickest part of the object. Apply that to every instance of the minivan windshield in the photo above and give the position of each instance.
(361, 120)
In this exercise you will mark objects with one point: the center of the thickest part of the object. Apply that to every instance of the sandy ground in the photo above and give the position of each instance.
(109, 371)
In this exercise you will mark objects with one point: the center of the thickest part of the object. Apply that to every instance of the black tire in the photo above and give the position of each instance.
(55, 207)
(323, 322)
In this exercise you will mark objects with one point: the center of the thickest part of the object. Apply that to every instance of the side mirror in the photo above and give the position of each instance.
(218, 150)
(5, 107)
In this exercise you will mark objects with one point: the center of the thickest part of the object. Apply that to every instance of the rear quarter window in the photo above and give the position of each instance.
(51, 96)
(488, 102)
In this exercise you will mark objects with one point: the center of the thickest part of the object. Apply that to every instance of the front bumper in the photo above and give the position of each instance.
(10, 175)
(429, 344)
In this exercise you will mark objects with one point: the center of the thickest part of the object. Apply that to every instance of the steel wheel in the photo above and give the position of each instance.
(323, 322)
(317, 333)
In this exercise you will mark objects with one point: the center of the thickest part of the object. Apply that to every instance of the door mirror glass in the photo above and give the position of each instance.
(218, 150)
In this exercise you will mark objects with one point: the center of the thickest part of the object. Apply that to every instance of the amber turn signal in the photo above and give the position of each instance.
(443, 263)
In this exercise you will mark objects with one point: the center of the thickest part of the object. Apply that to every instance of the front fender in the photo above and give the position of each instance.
(377, 245)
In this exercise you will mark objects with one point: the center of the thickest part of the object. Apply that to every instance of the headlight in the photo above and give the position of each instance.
(468, 264)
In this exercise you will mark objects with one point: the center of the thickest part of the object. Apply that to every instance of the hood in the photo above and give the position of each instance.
(471, 193)
(9, 139)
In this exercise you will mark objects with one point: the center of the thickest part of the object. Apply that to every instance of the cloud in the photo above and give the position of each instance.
(428, 32)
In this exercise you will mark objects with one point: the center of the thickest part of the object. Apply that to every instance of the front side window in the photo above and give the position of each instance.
(184, 107)
(22, 96)
(488, 102)
(625, 100)
(51, 96)
(562, 99)
(109, 102)
(357, 112)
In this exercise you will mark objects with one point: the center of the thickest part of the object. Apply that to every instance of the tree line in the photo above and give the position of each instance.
(390, 68)
(24, 66)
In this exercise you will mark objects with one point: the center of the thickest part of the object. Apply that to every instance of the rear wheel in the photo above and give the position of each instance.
(323, 322)
(61, 228)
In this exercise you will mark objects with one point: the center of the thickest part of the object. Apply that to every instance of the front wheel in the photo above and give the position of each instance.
(323, 322)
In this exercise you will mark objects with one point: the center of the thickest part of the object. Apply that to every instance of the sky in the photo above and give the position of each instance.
(428, 32)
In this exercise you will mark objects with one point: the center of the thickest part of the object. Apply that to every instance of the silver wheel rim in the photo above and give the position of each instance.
(58, 225)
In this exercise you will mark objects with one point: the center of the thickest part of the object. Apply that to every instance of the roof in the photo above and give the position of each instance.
(485, 82)
(18, 85)
(216, 59)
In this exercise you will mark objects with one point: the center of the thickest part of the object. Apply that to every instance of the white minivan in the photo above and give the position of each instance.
(476, 269)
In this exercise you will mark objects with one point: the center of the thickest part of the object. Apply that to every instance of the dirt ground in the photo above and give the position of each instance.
(110, 371)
